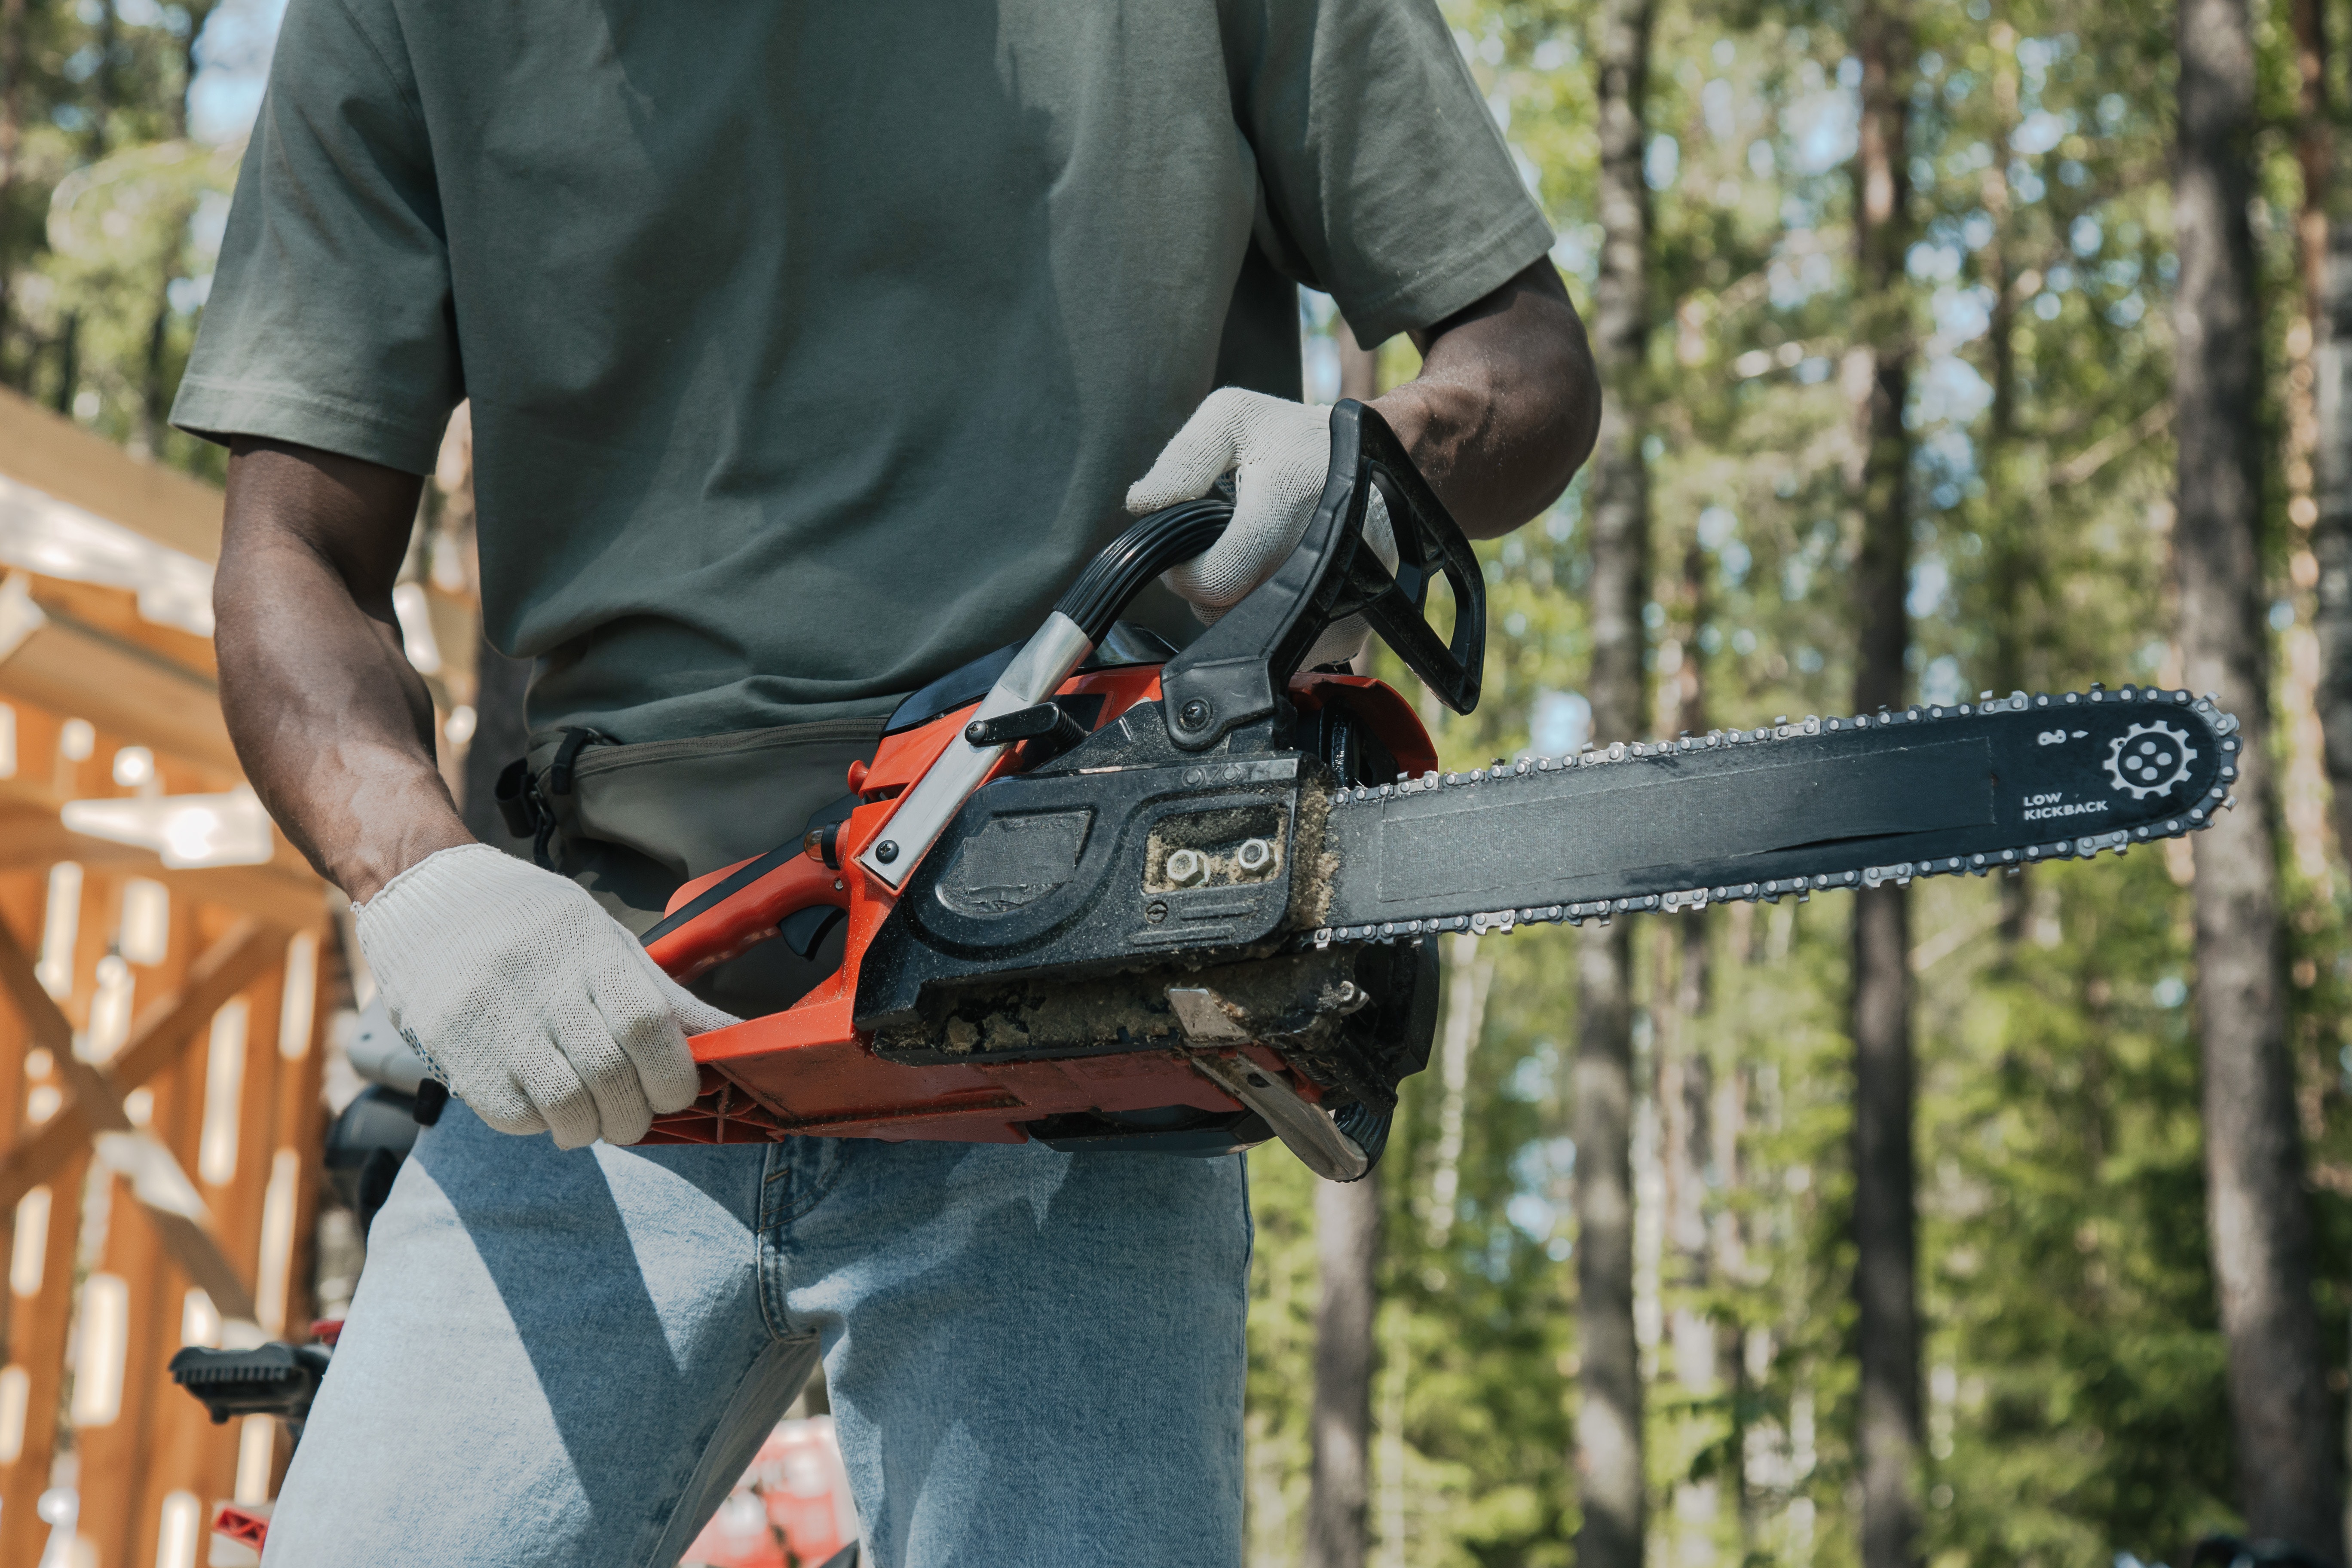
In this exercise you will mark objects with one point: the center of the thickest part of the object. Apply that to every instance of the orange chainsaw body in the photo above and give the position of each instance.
(808, 1070)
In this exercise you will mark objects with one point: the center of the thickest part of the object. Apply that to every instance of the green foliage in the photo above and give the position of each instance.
(2073, 1372)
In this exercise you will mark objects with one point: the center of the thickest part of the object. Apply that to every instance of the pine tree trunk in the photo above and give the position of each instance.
(1884, 1220)
(1609, 1405)
(12, 77)
(2288, 1480)
(1347, 1245)
(2331, 535)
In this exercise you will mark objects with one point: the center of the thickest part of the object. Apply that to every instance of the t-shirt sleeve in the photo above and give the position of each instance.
(1385, 182)
(330, 323)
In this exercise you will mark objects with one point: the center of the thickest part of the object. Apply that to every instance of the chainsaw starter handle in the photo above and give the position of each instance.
(1235, 672)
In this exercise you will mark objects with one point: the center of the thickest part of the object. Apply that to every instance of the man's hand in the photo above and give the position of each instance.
(1504, 411)
(541, 1009)
(1279, 454)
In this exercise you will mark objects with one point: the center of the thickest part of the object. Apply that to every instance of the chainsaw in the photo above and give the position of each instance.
(1097, 893)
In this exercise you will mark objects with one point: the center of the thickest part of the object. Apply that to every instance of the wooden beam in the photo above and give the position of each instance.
(285, 892)
(157, 1035)
(155, 1177)
(62, 461)
(78, 671)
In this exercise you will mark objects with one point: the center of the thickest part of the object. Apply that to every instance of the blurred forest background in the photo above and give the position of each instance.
(1890, 297)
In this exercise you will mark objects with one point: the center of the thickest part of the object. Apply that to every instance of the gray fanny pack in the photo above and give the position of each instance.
(632, 823)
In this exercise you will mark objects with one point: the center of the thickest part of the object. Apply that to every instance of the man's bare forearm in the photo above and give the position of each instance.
(1506, 406)
(333, 726)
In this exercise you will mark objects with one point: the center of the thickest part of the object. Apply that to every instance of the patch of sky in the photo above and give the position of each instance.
(232, 56)
(1654, 616)
(2086, 236)
(2168, 268)
(1537, 1163)
(1661, 161)
(1932, 263)
(1531, 1082)
(1717, 525)
(2127, 311)
(1849, 72)
(1577, 250)
(1945, 453)
(1559, 523)
(1559, 724)
(1761, 159)
(1930, 580)
(70, 117)
(1743, 642)
(1499, 108)
(1923, 174)
(187, 295)
(1941, 681)
(1710, 638)
(1490, 48)
(2072, 173)
(1530, 175)
(1790, 281)
(2047, 307)
(82, 62)
(1551, 55)
(2172, 991)
(2061, 278)
(172, 19)
(1822, 127)
(2122, 272)
(1515, 625)
(2039, 131)
(1809, 660)
(1957, 90)
(1716, 106)
(1814, 371)
(1977, 230)
(2112, 111)
(2024, 183)
(1961, 315)
(1724, 53)
(2282, 613)
(1532, 1215)
(1654, 447)
(1320, 360)
(1950, 392)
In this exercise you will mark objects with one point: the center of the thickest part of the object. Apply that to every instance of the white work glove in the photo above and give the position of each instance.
(1279, 454)
(540, 1010)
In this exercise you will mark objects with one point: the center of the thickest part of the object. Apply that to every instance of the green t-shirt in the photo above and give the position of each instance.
(813, 348)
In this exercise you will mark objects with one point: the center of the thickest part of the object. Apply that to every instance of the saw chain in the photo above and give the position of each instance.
(2140, 764)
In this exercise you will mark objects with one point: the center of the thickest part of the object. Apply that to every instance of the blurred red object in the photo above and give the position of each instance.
(790, 1509)
(243, 1526)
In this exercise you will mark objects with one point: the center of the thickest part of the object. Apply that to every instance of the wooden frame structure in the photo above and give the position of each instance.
(162, 1035)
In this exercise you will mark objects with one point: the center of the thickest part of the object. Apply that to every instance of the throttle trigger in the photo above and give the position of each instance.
(805, 931)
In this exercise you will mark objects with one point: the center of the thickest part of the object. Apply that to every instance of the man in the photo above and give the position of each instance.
(811, 352)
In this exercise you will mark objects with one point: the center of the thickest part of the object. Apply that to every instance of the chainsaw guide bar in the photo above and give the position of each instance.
(1789, 809)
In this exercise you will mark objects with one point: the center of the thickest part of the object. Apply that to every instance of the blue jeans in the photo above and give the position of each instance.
(1034, 1359)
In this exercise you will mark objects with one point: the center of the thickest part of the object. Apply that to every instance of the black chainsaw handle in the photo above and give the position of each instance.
(1234, 672)
(1149, 547)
